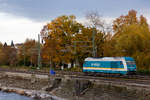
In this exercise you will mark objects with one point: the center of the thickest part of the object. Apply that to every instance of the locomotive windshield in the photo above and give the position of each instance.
(131, 63)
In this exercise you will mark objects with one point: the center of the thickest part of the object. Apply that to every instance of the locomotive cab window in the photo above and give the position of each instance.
(131, 63)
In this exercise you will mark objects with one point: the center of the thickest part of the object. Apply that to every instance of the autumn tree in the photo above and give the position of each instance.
(2, 55)
(60, 32)
(98, 32)
(108, 46)
(48, 51)
(28, 52)
(130, 33)
(124, 21)
(9, 55)
(84, 45)
(132, 37)
(65, 39)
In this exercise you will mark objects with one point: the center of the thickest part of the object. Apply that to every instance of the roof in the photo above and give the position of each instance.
(108, 59)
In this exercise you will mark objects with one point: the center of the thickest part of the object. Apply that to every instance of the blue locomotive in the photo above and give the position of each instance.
(111, 65)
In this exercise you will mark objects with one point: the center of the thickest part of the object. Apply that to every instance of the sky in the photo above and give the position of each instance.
(22, 19)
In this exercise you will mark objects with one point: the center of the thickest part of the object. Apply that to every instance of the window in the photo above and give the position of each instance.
(130, 63)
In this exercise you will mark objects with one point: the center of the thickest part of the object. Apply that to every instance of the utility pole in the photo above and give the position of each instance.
(50, 62)
(93, 42)
(24, 54)
(75, 49)
(75, 52)
(39, 51)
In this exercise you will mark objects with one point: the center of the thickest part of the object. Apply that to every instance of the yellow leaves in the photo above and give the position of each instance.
(46, 57)
(132, 38)
(60, 33)
(131, 35)
(130, 25)
(124, 21)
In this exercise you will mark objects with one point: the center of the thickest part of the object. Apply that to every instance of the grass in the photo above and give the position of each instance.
(143, 72)
(44, 69)
(75, 69)
(23, 68)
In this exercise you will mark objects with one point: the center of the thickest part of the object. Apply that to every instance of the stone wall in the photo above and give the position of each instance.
(52, 87)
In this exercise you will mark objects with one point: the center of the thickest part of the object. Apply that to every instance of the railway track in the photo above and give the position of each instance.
(134, 78)
(43, 72)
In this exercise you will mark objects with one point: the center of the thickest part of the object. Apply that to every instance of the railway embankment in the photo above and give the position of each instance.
(45, 87)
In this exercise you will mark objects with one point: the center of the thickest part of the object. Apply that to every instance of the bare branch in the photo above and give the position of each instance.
(95, 19)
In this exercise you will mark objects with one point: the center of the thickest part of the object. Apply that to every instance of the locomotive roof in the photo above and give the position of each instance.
(108, 59)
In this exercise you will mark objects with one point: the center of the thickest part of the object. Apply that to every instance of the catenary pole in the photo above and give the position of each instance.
(93, 42)
(39, 51)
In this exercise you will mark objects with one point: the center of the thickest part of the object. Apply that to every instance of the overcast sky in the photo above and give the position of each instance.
(21, 19)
